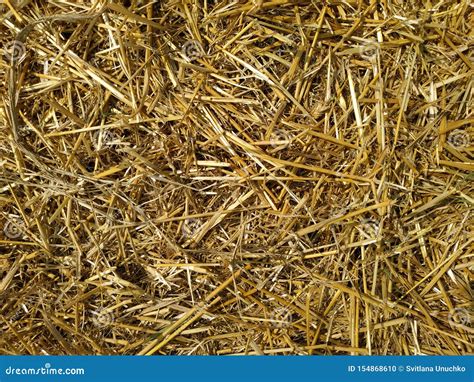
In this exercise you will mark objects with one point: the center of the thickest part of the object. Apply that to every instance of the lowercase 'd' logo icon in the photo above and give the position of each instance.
(14, 50)
(370, 228)
(103, 139)
(193, 50)
(369, 51)
(459, 317)
(101, 318)
(190, 227)
(14, 228)
(281, 317)
(459, 139)
(280, 138)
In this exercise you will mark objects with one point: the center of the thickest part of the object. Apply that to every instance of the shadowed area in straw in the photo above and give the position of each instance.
(247, 177)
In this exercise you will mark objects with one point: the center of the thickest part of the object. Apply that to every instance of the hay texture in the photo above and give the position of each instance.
(236, 177)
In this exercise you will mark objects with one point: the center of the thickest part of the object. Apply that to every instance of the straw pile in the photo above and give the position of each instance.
(245, 177)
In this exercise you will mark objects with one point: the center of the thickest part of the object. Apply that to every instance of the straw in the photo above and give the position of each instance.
(251, 177)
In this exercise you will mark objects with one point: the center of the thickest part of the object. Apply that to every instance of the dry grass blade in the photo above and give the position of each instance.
(247, 177)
